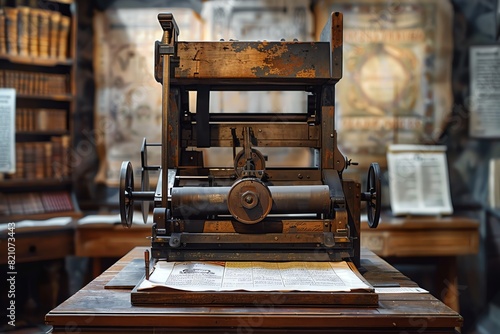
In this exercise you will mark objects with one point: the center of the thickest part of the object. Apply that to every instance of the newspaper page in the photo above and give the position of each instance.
(7, 130)
(255, 276)
(485, 91)
(418, 180)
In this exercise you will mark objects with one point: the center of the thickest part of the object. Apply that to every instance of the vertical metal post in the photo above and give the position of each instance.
(164, 123)
(203, 117)
(331, 157)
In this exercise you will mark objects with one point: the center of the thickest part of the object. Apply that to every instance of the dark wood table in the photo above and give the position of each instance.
(95, 309)
(434, 239)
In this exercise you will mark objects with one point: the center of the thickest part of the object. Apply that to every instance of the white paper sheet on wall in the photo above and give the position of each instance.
(418, 180)
(7, 130)
(485, 91)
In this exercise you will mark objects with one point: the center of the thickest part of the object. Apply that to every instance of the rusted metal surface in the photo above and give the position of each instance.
(171, 158)
(253, 60)
(352, 192)
(328, 138)
(333, 34)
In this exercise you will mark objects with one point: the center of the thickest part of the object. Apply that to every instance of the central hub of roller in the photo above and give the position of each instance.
(249, 201)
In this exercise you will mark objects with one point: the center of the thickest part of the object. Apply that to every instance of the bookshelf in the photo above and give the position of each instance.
(37, 59)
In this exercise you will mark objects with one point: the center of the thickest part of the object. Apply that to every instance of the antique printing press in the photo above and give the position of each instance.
(249, 211)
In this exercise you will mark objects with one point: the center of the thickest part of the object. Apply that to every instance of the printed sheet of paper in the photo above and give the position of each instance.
(401, 290)
(7, 130)
(418, 180)
(485, 91)
(255, 276)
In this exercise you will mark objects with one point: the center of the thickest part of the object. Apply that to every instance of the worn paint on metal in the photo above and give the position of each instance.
(249, 60)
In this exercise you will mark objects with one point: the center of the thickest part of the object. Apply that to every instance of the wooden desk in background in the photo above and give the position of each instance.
(95, 309)
(441, 239)
(37, 242)
(98, 241)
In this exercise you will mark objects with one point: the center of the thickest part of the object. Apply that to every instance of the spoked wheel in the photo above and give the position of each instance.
(126, 190)
(373, 195)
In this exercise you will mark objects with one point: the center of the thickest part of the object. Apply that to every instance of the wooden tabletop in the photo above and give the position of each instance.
(419, 236)
(97, 310)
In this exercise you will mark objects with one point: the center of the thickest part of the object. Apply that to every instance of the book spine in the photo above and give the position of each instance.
(31, 120)
(57, 165)
(33, 32)
(65, 23)
(62, 120)
(19, 173)
(34, 203)
(39, 157)
(15, 204)
(55, 23)
(44, 33)
(11, 30)
(18, 120)
(24, 120)
(22, 80)
(29, 161)
(23, 30)
(65, 142)
(3, 42)
(43, 121)
(48, 160)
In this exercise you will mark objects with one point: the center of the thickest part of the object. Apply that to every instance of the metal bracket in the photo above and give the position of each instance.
(160, 219)
(167, 45)
(332, 179)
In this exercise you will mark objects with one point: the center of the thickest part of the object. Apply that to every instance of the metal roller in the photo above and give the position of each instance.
(300, 199)
(205, 201)
(199, 201)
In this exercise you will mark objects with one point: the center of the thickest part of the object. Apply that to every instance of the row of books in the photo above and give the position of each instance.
(34, 119)
(34, 83)
(42, 160)
(34, 32)
(35, 203)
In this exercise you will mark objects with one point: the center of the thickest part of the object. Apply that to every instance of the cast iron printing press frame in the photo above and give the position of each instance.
(250, 212)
